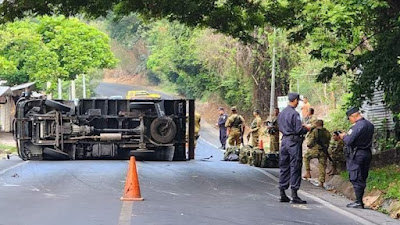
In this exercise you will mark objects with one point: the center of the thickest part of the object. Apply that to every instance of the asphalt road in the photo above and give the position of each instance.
(202, 191)
(111, 89)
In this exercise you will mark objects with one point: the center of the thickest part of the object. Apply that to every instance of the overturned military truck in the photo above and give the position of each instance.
(104, 129)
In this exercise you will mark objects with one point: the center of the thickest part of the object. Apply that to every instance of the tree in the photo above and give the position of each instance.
(47, 48)
(24, 56)
(350, 34)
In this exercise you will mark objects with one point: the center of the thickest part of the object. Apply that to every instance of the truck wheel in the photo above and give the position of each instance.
(165, 153)
(163, 130)
(57, 105)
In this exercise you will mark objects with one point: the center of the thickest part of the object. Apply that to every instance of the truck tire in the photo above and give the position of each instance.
(57, 105)
(163, 130)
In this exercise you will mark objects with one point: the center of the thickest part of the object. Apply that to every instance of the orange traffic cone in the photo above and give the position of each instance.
(261, 145)
(132, 187)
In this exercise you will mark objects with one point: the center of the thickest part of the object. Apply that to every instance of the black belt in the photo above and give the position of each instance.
(291, 135)
(363, 149)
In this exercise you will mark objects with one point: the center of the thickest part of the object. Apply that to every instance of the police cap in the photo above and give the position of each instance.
(221, 108)
(293, 96)
(351, 111)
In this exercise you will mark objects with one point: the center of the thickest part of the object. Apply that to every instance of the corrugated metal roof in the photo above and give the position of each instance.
(5, 90)
(22, 86)
(376, 111)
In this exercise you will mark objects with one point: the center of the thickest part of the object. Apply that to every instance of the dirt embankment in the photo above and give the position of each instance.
(117, 76)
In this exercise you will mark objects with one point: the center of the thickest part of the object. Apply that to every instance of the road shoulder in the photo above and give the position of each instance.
(336, 202)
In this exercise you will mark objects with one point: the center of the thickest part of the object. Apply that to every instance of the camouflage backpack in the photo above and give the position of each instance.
(231, 154)
(256, 157)
(245, 154)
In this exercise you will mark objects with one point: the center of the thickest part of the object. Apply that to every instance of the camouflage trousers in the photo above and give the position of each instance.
(315, 153)
(274, 143)
(234, 137)
(337, 161)
(255, 139)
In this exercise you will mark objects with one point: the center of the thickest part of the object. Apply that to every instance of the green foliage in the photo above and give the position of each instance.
(9, 149)
(386, 179)
(48, 48)
(79, 47)
(337, 119)
(127, 30)
(384, 143)
(349, 35)
(236, 18)
(173, 59)
(24, 56)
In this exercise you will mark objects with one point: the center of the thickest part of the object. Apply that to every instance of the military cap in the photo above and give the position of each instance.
(293, 96)
(233, 108)
(351, 111)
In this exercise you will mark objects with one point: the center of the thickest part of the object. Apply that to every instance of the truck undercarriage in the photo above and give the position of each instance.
(104, 128)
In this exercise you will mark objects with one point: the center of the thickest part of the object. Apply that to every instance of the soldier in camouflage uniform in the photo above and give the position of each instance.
(197, 120)
(235, 125)
(255, 128)
(316, 139)
(273, 131)
(310, 118)
(336, 153)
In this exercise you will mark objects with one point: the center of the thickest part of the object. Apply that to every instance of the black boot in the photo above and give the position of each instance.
(284, 197)
(296, 199)
(358, 204)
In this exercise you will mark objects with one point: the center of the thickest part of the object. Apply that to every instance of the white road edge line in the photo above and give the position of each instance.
(125, 217)
(323, 202)
(209, 143)
(12, 167)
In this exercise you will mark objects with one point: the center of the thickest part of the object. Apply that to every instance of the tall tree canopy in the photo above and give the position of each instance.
(352, 35)
(47, 48)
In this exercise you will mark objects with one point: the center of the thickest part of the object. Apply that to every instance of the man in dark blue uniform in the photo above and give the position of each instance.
(358, 142)
(290, 157)
(221, 125)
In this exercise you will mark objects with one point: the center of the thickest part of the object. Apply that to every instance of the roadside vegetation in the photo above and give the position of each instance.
(7, 149)
(386, 180)
(45, 49)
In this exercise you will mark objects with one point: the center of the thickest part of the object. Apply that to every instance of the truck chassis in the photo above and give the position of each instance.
(104, 129)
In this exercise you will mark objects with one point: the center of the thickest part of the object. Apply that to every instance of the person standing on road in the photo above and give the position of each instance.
(358, 142)
(290, 157)
(273, 131)
(336, 152)
(255, 128)
(318, 143)
(235, 126)
(197, 120)
(221, 125)
(305, 108)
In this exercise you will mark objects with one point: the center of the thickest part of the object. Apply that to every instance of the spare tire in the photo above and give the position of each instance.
(163, 130)
(57, 105)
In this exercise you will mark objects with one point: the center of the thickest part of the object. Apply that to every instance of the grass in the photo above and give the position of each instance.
(7, 148)
(386, 179)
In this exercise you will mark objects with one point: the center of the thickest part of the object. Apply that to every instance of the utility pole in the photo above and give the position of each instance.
(59, 89)
(84, 85)
(48, 85)
(272, 100)
(73, 89)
